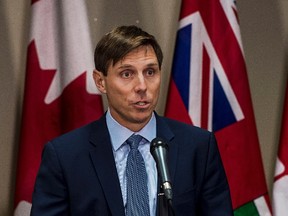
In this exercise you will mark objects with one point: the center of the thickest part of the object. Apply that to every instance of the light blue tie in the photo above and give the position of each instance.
(137, 189)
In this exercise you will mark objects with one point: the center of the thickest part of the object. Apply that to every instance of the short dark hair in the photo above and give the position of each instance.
(119, 42)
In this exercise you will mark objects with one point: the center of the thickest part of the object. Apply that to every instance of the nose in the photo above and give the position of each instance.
(141, 85)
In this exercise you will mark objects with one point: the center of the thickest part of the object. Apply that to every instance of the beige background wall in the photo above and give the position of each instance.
(264, 27)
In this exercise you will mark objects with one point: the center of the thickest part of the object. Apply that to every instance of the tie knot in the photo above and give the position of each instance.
(133, 141)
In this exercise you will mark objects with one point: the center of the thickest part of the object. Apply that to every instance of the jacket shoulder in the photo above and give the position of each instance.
(183, 128)
(80, 136)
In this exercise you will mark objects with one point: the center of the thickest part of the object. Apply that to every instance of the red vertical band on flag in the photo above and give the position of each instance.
(59, 73)
(283, 146)
(205, 90)
(280, 187)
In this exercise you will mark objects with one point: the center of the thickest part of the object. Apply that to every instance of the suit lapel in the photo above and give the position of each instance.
(164, 132)
(104, 163)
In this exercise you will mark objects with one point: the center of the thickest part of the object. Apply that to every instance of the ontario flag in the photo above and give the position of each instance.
(59, 91)
(209, 88)
(280, 187)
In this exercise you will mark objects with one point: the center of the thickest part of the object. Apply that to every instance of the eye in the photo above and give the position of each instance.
(150, 72)
(126, 74)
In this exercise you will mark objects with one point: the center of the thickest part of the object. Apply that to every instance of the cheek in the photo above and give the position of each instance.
(156, 88)
(116, 93)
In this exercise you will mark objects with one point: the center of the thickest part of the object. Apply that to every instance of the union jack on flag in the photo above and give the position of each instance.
(209, 88)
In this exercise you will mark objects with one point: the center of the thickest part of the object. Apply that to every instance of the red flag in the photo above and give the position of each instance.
(280, 187)
(59, 91)
(209, 88)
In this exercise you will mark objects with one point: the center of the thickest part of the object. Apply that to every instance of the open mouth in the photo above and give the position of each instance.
(142, 104)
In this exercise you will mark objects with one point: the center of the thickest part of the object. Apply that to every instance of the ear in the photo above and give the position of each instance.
(99, 80)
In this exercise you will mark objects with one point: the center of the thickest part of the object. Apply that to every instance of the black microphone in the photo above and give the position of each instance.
(159, 150)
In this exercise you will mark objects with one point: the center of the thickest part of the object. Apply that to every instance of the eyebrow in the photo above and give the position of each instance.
(130, 66)
(153, 64)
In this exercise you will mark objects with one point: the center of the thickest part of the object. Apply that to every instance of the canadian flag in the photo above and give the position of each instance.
(280, 187)
(59, 91)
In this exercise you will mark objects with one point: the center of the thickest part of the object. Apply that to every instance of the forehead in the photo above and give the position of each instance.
(142, 53)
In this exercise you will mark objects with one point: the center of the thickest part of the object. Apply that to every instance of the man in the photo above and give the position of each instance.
(87, 171)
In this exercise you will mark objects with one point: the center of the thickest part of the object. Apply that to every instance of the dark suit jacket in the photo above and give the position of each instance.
(78, 175)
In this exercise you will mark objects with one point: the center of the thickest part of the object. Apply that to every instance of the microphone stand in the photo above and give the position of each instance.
(165, 205)
(159, 149)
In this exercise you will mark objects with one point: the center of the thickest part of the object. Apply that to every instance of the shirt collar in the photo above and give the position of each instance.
(119, 134)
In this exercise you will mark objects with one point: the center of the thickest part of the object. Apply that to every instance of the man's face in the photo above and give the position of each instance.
(132, 86)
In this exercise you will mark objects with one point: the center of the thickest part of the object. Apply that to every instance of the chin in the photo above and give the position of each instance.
(142, 118)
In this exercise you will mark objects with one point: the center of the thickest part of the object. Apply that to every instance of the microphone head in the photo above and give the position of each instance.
(158, 142)
(159, 151)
